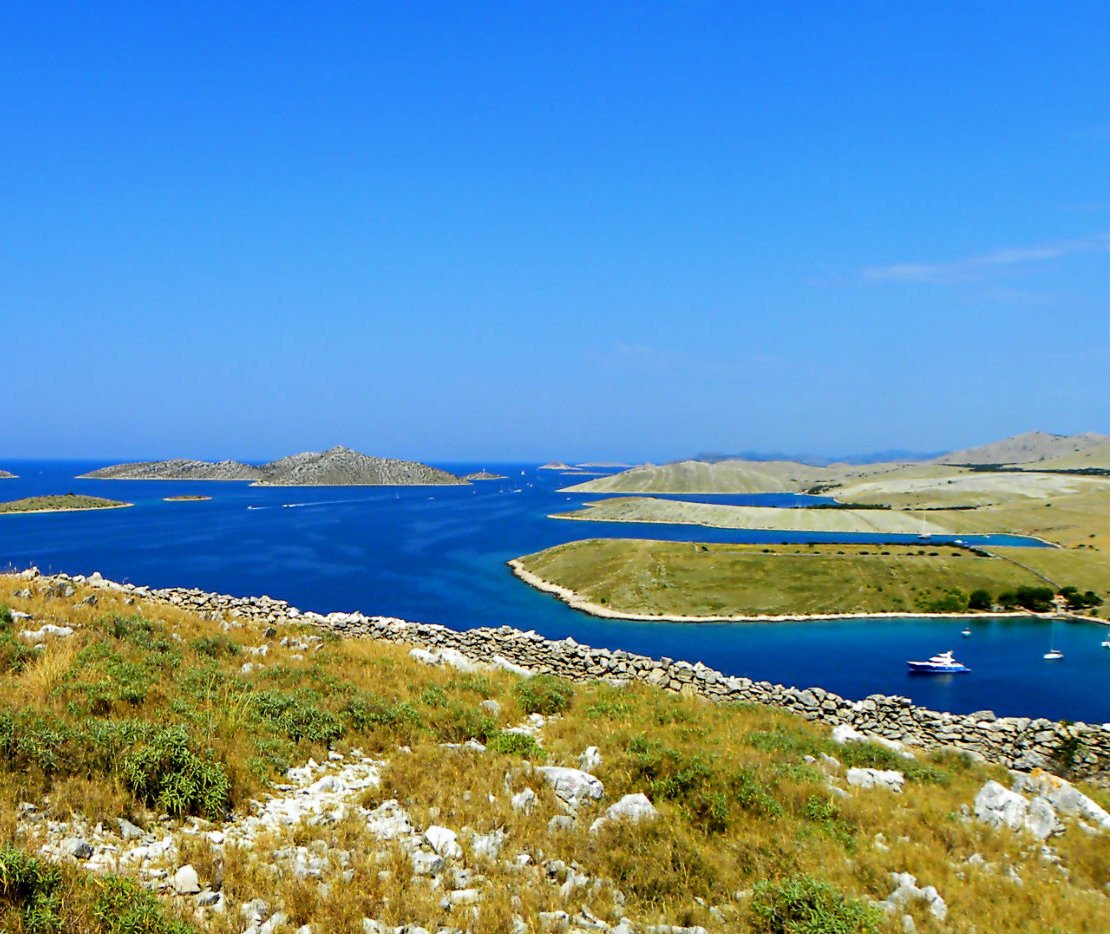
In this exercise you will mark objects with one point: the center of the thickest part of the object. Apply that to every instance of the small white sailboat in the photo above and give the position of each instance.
(966, 631)
(1106, 643)
(1053, 653)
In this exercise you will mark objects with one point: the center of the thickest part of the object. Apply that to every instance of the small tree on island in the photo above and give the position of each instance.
(979, 600)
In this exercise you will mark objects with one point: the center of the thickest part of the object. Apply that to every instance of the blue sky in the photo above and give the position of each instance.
(482, 231)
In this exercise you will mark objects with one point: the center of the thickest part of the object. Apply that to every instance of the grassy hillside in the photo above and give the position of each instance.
(650, 509)
(652, 578)
(162, 718)
(66, 502)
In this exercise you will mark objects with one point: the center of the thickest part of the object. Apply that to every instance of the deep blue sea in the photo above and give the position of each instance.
(437, 554)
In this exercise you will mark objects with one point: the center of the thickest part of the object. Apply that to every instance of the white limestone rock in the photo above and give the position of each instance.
(524, 801)
(886, 779)
(573, 786)
(906, 890)
(185, 881)
(1064, 797)
(590, 759)
(443, 841)
(631, 808)
(997, 806)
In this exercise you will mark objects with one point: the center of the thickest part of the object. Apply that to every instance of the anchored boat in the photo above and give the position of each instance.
(942, 664)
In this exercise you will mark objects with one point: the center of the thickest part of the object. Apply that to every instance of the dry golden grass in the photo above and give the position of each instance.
(738, 805)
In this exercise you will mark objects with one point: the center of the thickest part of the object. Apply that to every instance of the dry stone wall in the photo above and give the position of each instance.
(1021, 743)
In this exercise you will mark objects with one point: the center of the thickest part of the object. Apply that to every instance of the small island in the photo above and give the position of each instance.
(185, 499)
(4, 475)
(484, 475)
(66, 502)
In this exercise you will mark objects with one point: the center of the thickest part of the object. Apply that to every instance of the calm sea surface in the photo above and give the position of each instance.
(438, 555)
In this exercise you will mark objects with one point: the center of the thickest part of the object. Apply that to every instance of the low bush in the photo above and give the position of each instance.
(215, 646)
(515, 744)
(297, 715)
(166, 772)
(805, 905)
(122, 907)
(544, 694)
(29, 888)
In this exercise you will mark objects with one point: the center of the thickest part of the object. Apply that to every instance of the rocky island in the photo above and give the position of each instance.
(176, 469)
(67, 502)
(484, 475)
(339, 466)
(4, 475)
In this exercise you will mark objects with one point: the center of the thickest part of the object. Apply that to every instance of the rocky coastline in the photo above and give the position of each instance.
(1078, 750)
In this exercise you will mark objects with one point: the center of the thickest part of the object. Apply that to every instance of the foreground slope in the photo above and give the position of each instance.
(413, 799)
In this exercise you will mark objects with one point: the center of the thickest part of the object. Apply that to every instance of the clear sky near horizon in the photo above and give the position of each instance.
(495, 231)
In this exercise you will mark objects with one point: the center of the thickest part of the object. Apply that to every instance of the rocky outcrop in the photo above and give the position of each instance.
(1020, 743)
(4, 475)
(484, 475)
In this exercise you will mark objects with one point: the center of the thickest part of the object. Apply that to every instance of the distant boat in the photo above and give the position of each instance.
(942, 664)
(1106, 643)
(966, 631)
(1053, 653)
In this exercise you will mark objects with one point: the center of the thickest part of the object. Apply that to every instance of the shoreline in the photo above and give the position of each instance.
(40, 512)
(576, 601)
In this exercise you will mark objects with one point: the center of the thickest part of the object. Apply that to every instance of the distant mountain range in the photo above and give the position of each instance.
(339, 466)
(892, 455)
(1082, 450)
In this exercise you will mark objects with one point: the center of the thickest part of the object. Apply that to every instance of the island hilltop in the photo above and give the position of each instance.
(338, 466)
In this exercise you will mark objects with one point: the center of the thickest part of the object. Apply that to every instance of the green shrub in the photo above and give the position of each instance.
(122, 907)
(298, 715)
(30, 886)
(544, 694)
(166, 772)
(516, 744)
(215, 645)
(366, 713)
(804, 905)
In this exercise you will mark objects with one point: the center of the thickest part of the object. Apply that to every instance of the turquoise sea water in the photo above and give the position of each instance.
(437, 554)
